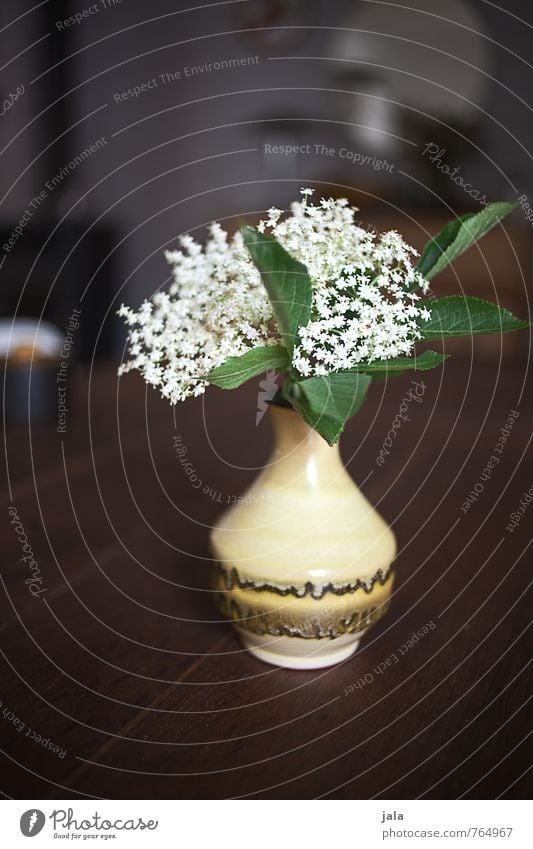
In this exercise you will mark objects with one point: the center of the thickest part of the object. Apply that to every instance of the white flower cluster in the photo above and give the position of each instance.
(364, 304)
(363, 309)
(216, 307)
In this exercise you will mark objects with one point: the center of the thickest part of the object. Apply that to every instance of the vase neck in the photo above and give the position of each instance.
(297, 445)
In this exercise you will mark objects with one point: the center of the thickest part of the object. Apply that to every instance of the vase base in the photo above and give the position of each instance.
(298, 653)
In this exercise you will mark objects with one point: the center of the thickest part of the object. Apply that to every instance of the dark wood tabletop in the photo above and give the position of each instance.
(119, 680)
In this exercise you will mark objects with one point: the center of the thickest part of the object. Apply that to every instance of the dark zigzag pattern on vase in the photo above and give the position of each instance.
(270, 623)
(232, 579)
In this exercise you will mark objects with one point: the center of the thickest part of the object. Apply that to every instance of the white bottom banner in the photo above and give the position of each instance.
(218, 824)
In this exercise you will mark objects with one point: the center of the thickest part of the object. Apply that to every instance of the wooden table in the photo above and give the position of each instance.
(119, 680)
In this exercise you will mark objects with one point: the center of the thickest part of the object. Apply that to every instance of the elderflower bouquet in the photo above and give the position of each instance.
(313, 295)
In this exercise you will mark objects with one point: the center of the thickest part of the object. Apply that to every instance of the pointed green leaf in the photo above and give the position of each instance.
(398, 365)
(458, 235)
(463, 316)
(439, 243)
(326, 403)
(237, 370)
(286, 281)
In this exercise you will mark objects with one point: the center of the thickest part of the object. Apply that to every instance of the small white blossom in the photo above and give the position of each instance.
(363, 308)
(216, 308)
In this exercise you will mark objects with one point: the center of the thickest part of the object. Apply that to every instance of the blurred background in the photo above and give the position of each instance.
(131, 128)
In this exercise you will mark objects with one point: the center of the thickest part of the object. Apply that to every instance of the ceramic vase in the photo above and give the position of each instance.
(302, 560)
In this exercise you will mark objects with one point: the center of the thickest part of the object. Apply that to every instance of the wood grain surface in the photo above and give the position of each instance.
(123, 665)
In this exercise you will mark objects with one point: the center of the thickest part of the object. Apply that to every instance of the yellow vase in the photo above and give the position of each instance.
(303, 560)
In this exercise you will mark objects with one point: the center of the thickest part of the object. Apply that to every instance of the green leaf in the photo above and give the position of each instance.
(464, 316)
(458, 235)
(326, 403)
(286, 281)
(399, 365)
(439, 243)
(237, 370)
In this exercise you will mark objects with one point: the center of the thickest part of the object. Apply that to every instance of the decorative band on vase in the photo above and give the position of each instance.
(302, 611)
(231, 580)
